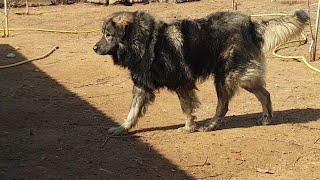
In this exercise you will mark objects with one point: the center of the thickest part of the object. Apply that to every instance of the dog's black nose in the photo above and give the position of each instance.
(95, 48)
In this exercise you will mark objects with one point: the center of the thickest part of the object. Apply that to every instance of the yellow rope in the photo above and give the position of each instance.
(52, 30)
(26, 61)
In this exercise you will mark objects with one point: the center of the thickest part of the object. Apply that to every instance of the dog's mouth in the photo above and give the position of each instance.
(104, 51)
(111, 52)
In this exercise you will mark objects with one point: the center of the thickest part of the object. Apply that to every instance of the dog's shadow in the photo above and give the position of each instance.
(291, 116)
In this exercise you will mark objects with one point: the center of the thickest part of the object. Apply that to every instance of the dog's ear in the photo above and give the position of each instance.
(123, 20)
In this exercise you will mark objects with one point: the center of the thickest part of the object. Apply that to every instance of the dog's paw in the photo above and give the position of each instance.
(209, 127)
(116, 131)
(186, 129)
(265, 120)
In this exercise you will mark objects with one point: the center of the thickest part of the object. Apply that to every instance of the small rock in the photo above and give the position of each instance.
(11, 55)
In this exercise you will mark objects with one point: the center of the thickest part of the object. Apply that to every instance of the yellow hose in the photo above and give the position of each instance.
(273, 14)
(51, 51)
(26, 61)
(299, 58)
(281, 46)
(52, 30)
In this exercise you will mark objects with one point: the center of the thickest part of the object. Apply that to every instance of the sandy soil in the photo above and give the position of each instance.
(54, 113)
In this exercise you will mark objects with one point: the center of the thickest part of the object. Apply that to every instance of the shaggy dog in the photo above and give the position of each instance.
(226, 45)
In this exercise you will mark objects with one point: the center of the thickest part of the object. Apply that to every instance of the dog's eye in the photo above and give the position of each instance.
(107, 35)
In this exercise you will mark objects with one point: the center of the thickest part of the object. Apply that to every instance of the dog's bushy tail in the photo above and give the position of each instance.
(280, 30)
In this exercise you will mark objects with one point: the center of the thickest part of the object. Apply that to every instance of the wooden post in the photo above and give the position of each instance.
(6, 29)
(311, 33)
(232, 4)
(314, 47)
(27, 7)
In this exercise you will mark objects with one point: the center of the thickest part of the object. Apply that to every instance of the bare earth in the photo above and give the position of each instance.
(55, 113)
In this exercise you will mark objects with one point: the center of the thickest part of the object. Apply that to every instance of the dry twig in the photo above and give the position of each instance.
(109, 137)
(211, 176)
(295, 162)
(106, 95)
(266, 171)
(291, 142)
(203, 164)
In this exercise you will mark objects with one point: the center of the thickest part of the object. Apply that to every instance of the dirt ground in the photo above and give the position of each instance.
(55, 113)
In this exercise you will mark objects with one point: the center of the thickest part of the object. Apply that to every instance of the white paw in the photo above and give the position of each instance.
(187, 129)
(116, 131)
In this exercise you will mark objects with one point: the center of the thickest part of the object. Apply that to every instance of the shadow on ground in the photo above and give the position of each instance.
(290, 116)
(48, 132)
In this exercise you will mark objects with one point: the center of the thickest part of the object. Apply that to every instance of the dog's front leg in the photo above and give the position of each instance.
(141, 99)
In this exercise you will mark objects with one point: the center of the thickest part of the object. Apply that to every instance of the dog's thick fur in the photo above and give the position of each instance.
(226, 45)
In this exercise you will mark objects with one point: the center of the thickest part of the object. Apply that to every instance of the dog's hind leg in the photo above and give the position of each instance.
(189, 102)
(257, 87)
(141, 99)
(225, 88)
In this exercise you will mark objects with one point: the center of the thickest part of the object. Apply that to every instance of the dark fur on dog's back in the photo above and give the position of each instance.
(174, 55)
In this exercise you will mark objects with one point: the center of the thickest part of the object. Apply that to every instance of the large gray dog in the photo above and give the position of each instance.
(226, 45)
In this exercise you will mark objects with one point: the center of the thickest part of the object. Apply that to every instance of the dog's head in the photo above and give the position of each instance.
(114, 30)
(127, 37)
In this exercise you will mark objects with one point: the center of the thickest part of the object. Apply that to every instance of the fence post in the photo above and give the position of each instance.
(314, 48)
(234, 5)
(6, 29)
(27, 7)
